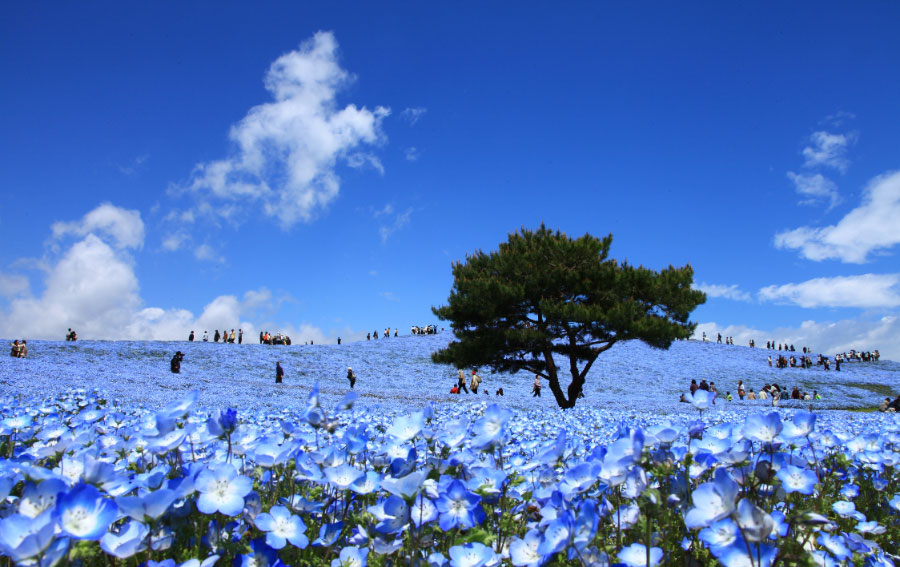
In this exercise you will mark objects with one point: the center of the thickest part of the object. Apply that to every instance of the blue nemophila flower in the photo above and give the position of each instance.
(406, 486)
(38, 498)
(585, 524)
(208, 562)
(737, 555)
(756, 525)
(872, 527)
(470, 555)
(131, 539)
(895, 502)
(282, 527)
(23, 538)
(847, 509)
(720, 535)
(635, 555)
(490, 428)
(351, 557)
(408, 426)
(328, 534)
(343, 476)
(801, 425)
(221, 489)
(524, 552)
(835, 546)
(556, 536)
(713, 501)
(701, 399)
(458, 507)
(797, 479)
(392, 513)
(762, 428)
(149, 506)
(223, 423)
(261, 555)
(84, 513)
(423, 511)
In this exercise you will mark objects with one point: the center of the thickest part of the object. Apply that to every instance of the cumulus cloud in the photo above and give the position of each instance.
(870, 227)
(412, 115)
(724, 291)
(125, 228)
(826, 337)
(286, 150)
(865, 291)
(91, 287)
(815, 188)
(826, 149)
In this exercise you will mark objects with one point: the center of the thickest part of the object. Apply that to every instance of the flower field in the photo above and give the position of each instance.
(106, 458)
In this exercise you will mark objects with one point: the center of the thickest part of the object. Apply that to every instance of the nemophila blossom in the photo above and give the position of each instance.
(720, 535)
(713, 501)
(895, 502)
(351, 556)
(423, 510)
(130, 539)
(850, 491)
(762, 428)
(260, 555)
(407, 427)
(801, 424)
(635, 555)
(556, 536)
(523, 552)
(470, 555)
(23, 538)
(490, 428)
(701, 399)
(147, 507)
(459, 507)
(846, 509)
(328, 534)
(84, 513)
(367, 483)
(281, 527)
(758, 555)
(797, 479)
(38, 498)
(756, 525)
(405, 486)
(343, 476)
(221, 489)
(835, 546)
(223, 423)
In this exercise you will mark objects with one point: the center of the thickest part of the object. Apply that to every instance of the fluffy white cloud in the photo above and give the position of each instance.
(815, 188)
(865, 291)
(91, 287)
(826, 337)
(124, 227)
(870, 227)
(287, 149)
(724, 291)
(826, 149)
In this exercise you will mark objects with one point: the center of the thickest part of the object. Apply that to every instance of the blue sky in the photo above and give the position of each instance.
(317, 169)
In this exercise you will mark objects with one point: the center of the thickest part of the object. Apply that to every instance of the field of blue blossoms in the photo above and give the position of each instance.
(106, 458)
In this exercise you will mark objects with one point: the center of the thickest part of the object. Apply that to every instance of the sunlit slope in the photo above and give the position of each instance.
(631, 376)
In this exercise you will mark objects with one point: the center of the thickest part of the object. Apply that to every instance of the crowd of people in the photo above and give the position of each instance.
(19, 349)
(890, 406)
(772, 392)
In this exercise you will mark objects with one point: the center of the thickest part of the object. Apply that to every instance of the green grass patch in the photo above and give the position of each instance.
(880, 389)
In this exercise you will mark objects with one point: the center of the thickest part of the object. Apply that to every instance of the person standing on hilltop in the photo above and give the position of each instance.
(191, 337)
(175, 364)
(279, 372)
(216, 336)
(351, 377)
(240, 336)
(206, 336)
(461, 381)
(476, 381)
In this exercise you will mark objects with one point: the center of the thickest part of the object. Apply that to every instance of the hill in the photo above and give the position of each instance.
(398, 372)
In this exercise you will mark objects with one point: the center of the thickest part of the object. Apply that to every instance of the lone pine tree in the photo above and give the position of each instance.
(545, 298)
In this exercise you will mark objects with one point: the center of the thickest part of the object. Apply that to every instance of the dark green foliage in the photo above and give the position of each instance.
(545, 294)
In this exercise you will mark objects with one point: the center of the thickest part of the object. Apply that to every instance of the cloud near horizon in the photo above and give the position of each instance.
(91, 286)
(869, 228)
(867, 291)
(287, 150)
(825, 337)
(724, 291)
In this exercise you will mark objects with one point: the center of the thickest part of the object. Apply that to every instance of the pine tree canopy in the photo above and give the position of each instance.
(545, 298)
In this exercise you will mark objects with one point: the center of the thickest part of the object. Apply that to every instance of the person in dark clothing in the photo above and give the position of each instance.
(704, 385)
(279, 373)
(191, 337)
(795, 394)
(895, 405)
(176, 362)
(216, 336)
(461, 382)
(837, 364)
(500, 391)
(694, 386)
(351, 376)
(339, 340)
(368, 336)
(240, 336)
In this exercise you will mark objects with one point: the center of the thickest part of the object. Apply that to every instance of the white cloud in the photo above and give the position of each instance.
(92, 287)
(174, 241)
(124, 227)
(399, 221)
(815, 188)
(826, 337)
(827, 149)
(360, 160)
(724, 291)
(287, 149)
(207, 253)
(864, 291)
(870, 227)
(412, 115)
(12, 285)
(411, 154)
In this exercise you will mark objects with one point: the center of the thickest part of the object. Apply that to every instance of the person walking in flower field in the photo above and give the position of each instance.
(476, 381)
